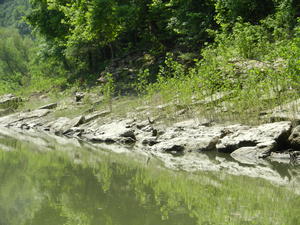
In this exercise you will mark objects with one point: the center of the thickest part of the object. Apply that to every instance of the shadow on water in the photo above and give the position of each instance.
(49, 180)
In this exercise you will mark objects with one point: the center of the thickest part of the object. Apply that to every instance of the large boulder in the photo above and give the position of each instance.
(187, 136)
(261, 135)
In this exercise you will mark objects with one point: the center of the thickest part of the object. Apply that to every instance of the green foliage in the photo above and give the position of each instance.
(253, 68)
(15, 54)
(108, 89)
(91, 31)
(48, 21)
(228, 11)
(79, 38)
(249, 41)
(46, 75)
(143, 79)
(12, 13)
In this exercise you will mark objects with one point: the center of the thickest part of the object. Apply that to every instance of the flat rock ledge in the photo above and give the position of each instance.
(245, 144)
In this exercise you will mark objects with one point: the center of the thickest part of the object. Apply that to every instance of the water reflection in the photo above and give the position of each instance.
(50, 180)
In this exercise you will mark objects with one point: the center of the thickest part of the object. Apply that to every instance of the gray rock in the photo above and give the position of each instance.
(150, 141)
(23, 116)
(142, 124)
(171, 147)
(118, 131)
(63, 125)
(73, 123)
(252, 136)
(96, 115)
(249, 155)
(49, 106)
(187, 124)
(186, 144)
(280, 157)
(79, 96)
(58, 124)
(188, 137)
(294, 138)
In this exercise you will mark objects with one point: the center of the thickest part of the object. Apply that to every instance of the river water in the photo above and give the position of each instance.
(50, 180)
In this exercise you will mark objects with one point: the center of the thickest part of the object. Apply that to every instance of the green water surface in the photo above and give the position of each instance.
(48, 181)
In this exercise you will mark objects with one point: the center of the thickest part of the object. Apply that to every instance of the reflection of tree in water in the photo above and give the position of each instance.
(118, 191)
(19, 198)
(103, 174)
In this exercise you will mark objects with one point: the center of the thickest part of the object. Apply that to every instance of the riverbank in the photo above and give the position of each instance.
(275, 139)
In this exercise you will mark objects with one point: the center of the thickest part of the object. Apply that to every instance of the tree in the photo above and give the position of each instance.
(14, 56)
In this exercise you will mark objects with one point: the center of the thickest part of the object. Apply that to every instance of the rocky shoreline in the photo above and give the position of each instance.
(245, 144)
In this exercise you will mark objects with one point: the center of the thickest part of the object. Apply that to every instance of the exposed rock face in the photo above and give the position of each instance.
(21, 119)
(64, 125)
(272, 135)
(179, 139)
(247, 144)
(118, 131)
(57, 125)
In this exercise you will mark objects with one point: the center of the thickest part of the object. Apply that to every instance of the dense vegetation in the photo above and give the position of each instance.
(150, 46)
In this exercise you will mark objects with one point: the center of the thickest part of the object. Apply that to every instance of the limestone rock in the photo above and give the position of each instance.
(249, 155)
(96, 115)
(58, 124)
(63, 125)
(280, 157)
(23, 116)
(252, 136)
(79, 96)
(294, 138)
(117, 131)
(188, 137)
(49, 106)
